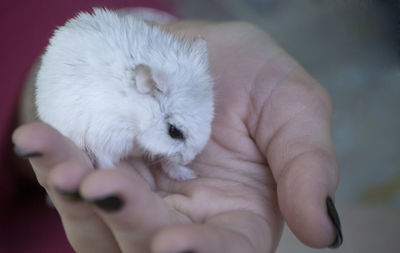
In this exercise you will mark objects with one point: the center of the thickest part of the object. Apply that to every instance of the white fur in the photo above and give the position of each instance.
(87, 89)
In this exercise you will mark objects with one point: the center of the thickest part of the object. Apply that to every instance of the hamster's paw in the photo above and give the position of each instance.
(178, 172)
(104, 162)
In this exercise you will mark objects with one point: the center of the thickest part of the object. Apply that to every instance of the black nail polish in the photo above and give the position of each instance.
(70, 195)
(333, 215)
(109, 204)
(188, 251)
(23, 154)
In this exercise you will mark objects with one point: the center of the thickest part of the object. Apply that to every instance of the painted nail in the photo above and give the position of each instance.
(188, 251)
(24, 154)
(109, 204)
(333, 215)
(70, 195)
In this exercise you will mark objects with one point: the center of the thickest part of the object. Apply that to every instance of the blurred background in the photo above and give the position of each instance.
(352, 48)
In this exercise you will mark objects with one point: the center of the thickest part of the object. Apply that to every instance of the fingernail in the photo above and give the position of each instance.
(188, 251)
(109, 204)
(24, 154)
(333, 215)
(69, 195)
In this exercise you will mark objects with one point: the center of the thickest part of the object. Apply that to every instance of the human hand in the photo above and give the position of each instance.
(270, 155)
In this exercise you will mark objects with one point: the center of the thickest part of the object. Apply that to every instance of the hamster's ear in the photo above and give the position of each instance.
(144, 80)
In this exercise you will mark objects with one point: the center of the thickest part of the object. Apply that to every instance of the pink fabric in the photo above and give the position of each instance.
(25, 27)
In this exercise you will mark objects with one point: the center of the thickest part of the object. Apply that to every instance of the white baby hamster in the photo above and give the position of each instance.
(119, 87)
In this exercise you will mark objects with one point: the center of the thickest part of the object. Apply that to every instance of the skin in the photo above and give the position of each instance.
(270, 159)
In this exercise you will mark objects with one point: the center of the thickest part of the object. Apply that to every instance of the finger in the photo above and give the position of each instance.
(85, 230)
(294, 134)
(128, 206)
(234, 232)
(48, 147)
(59, 169)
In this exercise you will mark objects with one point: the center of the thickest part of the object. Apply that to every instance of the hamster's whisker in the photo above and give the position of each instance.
(152, 158)
(159, 159)
(156, 159)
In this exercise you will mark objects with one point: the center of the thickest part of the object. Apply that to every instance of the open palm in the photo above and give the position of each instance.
(270, 155)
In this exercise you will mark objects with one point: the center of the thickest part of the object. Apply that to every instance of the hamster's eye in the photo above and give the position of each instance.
(175, 133)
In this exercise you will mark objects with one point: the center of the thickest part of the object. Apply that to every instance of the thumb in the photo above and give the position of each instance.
(300, 154)
(303, 163)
